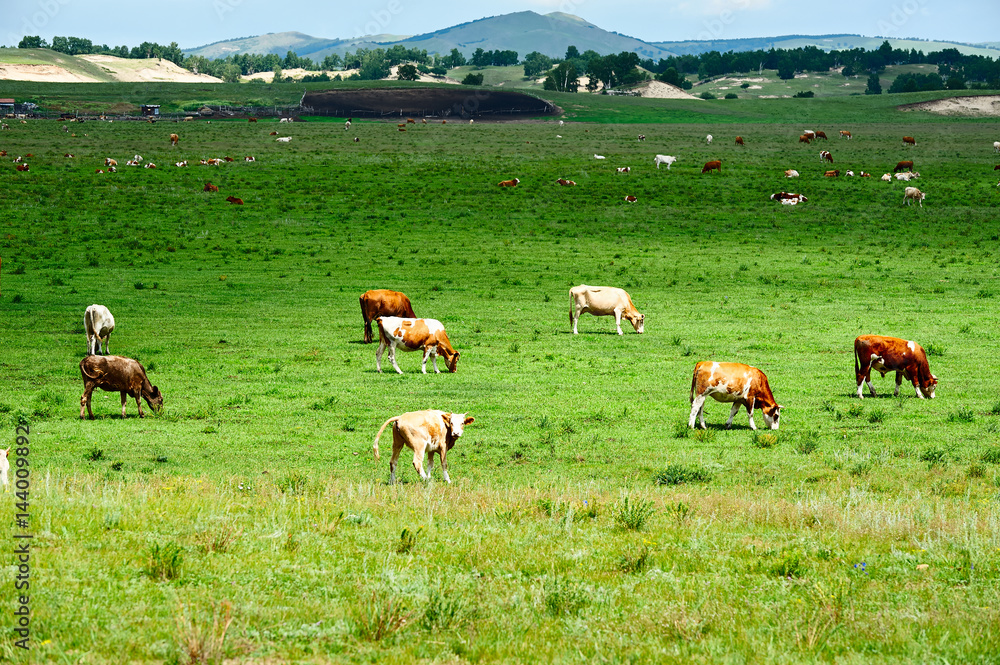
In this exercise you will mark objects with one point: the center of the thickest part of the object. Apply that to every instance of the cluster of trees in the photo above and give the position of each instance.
(80, 46)
(481, 58)
(610, 70)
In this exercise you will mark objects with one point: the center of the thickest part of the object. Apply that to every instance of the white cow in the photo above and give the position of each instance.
(791, 173)
(99, 324)
(996, 146)
(913, 194)
(596, 156)
(347, 125)
(284, 120)
(886, 177)
(284, 139)
(907, 175)
(708, 139)
(604, 301)
(664, 159)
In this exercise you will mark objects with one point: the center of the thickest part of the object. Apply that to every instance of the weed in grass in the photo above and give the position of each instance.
(964, 415)
(95, 454)
(407, 540)
(765, 440)
(565, 597)
(218, 540)
(703, 435)
(208, 429)
(588, 511)
(164, 563)
(808, 442)
(681, 431)
(984, 293)
(688, 351)
(933, 455)
(676, 340)
(991, 455)
(789, 566)
(680, 511)
(292, 483)
(965, 329)
(117, 465)
(876, 416)
(443, 610)
(112, 520)
(380, 616)
(362, 519)
(677, 474)
(856, 411)
(514, 348)
(634, 561)
(291, 544)
(933, 349)
(200, 642)
(976, 470)
(632, 515)
(995, 410)
(350, 424)
(139, 286)
(861, 468)
(18, 298)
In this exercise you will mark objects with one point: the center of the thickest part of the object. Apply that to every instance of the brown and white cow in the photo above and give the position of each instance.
(424, 432)
(427, 335)
(509, 183)
(174, 138)
(209, 187)
(906, 165)
(630, 198)
(809, 134)
(604, 301)
(825, 156)
(844, 134)
(789, 198)
(891, 354)
(909, 140)
(117, 374)
(791, 173)
(913, 194)
(565, 183)
(383, 302)
(740, 384)
(22, 167)
(715, 165)
(623, 169)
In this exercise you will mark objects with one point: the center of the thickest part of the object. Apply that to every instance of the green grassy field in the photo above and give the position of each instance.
(584, 521)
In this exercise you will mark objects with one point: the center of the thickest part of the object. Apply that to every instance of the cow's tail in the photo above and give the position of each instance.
(364, 316)
(382, 429)
(694, 383)
(857, 361)
(572, 307)
(93, 377)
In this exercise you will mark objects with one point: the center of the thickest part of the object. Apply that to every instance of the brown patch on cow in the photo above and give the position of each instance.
(712, 166)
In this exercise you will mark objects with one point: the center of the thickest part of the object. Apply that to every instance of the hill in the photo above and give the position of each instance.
(281, 43)
(46, 65)
(825, 42)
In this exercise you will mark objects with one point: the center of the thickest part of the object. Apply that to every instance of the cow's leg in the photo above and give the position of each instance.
(124, 400)
(899, 382)
(575, 316)
(618, 321)
(85, 401)
(697, 405)
(419, 448)
(434, 360)
(753, 425)
(732, 414)
(428, 352)
(392, 357)
(378, 354)
(430, 463)
(138, 403)
(444, 465)
(368, 331)
(397, 447)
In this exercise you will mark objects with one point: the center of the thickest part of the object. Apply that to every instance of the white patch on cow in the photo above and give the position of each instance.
(911, 347)
(433, 326)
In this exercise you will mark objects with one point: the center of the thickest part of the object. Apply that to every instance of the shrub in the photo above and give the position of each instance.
(991, 455)
(473, 79)
(632, 515)
(876, 416)
(380, 617)
(789, 566)
(443, 610)
(933, 455)
(292, 483)
(681, 431)
(678, 474)
(707, 95)
(807, 94)
(565, 597)
(634, 562)
(963, 415)
(407, 540)
(933, 349)
(95, 454)
(761, 439)
(975, 470)
(201, 643)
(731, 95)
(808, 442)
(164, 563)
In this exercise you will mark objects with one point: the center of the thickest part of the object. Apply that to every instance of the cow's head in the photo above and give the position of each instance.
(927, 387)
(155, 399)
(771, 415)
(456, 423)
(637, 320)
(451, 357)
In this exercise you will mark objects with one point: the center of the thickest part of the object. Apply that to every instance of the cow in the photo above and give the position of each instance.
(803, 139)
(69, 155)
(4, 468)
(249, 158)
(849, 173)
(909, 140)
(891, 354)
(214, 161)
(739, 141)
(234, 200)
(623, 169)
(712, 166)
(596, 156)
(149, 165)
(284, 120)
(401, 128)
(117, 374)
(112, 169)
(844, 134)
(273, 134)
(174, 139)
(131, 162)
(642, 137)
(98, 324)
(821, 135)
(825, 156)
(3, 153)
(629, 198)
(809, 134)
(664, 159)
(383, 302)
(347, 125)
(22, 167)
(209, 187)
(708, 139)
(284, 139)
(913, 194)
(423, 432)
(906, 165)
(788, 198)
(831, 174)
(401, 125)
(110, 162)
(99, 171)
(423, 121)
(412, 334)
(565, 183)
(251, 119)
(181, 164)
(604, 301)
(997, 167)
(561, 123)
(996, 146)
(907, 175)
(864, 174)
(740, 384)
(886, 177)
(508, 183)
(357, 140)
(791, 173)
(229, 159)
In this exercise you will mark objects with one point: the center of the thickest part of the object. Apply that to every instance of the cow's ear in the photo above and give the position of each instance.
(468, 420)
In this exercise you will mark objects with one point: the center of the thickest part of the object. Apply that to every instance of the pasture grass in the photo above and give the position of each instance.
(248, 519)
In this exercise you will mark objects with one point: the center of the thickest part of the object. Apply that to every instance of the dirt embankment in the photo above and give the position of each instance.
(977, 106)
(117, 69)
(427, 102)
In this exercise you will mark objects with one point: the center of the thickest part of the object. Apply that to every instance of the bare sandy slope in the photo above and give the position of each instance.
(660, 90)
(985, 105)
(48, 73)
(299, 73)
(153, 69)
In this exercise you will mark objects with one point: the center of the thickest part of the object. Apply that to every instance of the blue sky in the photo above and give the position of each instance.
(193, 23)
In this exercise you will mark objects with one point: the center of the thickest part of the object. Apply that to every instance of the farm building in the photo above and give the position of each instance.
(151, 109)
(6, 106)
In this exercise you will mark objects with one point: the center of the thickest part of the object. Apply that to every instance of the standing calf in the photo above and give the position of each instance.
(115, 373)
(99, 324)
(423, 432)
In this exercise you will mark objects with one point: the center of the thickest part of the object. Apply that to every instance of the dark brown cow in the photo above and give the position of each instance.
(909, 140)
(209, 187)
(740, 384)
(21, 167)
(821, 135)
(251, 119)
(903, 166)
(831, 174)
(383, 302)
(712, 166)
(117, 374)
(234, 200)
(739, 141)
(891, 354)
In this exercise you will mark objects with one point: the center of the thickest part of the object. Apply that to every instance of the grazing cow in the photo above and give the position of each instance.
(284, 139)
(509, 183)
(821, 135)
(564, 182)
(21, 167)
(907, 175)
(209, 187)
(844, 134)
(664, 159)
(642, 137)
(412, 334)
(909, 140)
(29, 155)
(273, 133)
(444, 122)
(149, 165)
(739, 141)
(913, 194)
(284, 120)
(630, 199)
(596, 156)
(712, 166)
(996, 146)
(249, 158)
(423, 432)
(708, 139)
(402, 124)
(229, 159)
(740, 384)
(604, 301)
(411, 121)
(623, 169)
(98, 324)
(831, 174)
(891, 354)
(3, 153)
(906, 165)
(357, 140)
(997, 167)
(809, 134)
(251, 119)
(70, 155)
(886, 177)
(803, 139)
(4, 468)
(234, 200)
(824, 155)
(791, 173)
(181, 164)
(788, 198)
(117, 374)
(110, 162)
(174, 139)
(561, 123)
(383, 302)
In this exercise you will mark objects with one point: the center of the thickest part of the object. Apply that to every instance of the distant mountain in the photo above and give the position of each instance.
(550, 34)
